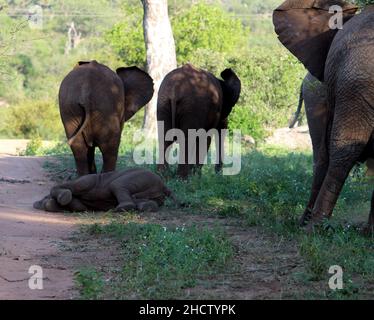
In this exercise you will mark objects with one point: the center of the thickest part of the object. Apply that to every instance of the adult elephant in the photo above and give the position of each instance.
(94, 104)
(342, 59)
(313, 93)
(190, 98)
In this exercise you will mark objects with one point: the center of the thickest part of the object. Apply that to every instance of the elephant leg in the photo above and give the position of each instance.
(63, 196)
(109, 151)
(124, 199)
(202, 154)
(371, 215)
(187, 156)
(51, 205)
(164, 125)
(164, 156)
(81, 155)
(76, 206)
(145, 205)
(319, 173)
(347, 143)
(91, 160)
(221, 145)
(370, 167)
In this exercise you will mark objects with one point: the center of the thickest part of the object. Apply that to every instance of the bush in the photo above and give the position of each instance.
(200, 27)
(34, 146)
(33, 119)
(363, 3)
(270, 89)
(207, 27)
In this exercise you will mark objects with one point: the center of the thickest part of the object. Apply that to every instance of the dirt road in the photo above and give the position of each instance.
(29, 237)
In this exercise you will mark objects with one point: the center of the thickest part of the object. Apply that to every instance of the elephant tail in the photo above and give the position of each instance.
(84, 125)
(298, 111)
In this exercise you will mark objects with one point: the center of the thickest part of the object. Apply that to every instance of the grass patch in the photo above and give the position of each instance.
(158, 262)
(271, 192)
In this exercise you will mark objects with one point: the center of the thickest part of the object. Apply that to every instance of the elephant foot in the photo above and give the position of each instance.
(305, 218)
(218, 168)
(148, 206)
(317, 221)
(38, 205)
(51, 205)
(368, 231)
(64, 197)
(125, 206)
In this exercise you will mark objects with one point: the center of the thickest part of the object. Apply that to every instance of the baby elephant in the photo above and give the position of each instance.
(133, 189)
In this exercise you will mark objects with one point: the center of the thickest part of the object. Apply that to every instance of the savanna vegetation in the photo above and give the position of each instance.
(211, 36)
(161, 259)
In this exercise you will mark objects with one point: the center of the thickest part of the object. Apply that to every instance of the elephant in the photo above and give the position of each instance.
(314, 95)
(95, 102)
(132, 189)
(191, 98)
(341, 58)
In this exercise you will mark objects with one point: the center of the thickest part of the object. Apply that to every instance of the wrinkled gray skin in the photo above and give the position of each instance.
(95, 102)
(190, 98)
(132, 189)
(314, 95)
(343, 59)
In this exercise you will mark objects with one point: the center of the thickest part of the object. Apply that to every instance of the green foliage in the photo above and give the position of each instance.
(33, 118)
(34, 146)
(90, 283)
(271, 81)
(270, 192)
(159, 262)
(127, 38)
(207, 27)
(363, 3)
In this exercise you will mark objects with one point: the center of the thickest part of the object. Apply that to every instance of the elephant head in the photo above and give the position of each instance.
(231, 87)
(303, 27)
(138, 87)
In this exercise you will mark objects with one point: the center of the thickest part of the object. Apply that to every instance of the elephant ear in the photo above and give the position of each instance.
(231, 88)
(138, 89)
(303, 28)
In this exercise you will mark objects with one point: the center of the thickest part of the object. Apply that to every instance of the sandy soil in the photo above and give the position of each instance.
(16, 146)
(297, 138)
(30, 237)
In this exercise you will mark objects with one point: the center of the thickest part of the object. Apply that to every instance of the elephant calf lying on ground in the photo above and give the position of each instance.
(133, 189)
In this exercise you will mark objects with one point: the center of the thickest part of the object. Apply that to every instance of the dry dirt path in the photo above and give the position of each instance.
(30, 237)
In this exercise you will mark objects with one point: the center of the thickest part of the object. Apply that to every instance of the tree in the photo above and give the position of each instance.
(161, 56)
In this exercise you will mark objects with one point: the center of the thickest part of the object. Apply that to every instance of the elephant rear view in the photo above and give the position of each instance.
(190, 98)
(94, 104)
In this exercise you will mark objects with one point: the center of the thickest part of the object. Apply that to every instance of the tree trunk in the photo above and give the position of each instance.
(161, 57)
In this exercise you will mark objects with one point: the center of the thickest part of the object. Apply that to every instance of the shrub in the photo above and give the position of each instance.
(270, 89)
(363, 3)
(33, 118)
(207, 27)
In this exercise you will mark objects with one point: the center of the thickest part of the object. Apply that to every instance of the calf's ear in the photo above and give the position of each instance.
(303, 27)
(231, 88)
(138, 89)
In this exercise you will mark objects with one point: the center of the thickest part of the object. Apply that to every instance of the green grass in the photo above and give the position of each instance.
(158, 262)
(270, 192)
